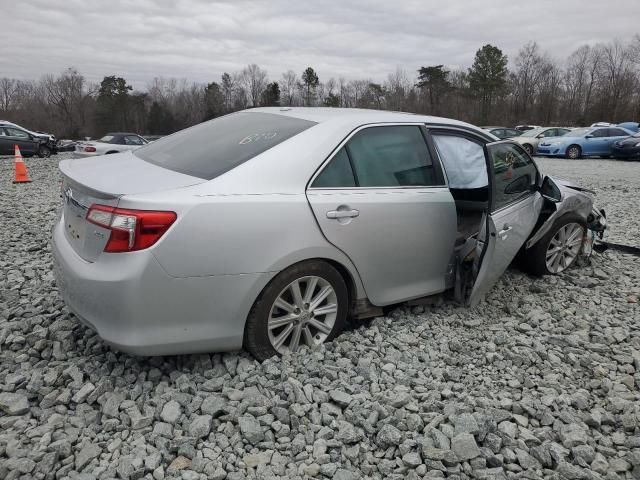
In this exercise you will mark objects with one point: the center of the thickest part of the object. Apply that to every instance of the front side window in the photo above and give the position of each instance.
(14, 132)
(212, 148)
(514, 173)
(133, 140)
(600, 133)
(391, 156)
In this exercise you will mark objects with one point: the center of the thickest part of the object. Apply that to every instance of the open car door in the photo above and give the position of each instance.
(514, 208)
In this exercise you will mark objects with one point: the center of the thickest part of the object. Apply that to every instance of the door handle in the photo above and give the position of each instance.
(343, 213)
(505, 229)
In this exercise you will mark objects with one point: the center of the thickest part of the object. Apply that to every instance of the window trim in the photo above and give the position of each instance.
(421, 125)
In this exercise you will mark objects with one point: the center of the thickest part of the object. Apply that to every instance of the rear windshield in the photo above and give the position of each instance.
(219, 145)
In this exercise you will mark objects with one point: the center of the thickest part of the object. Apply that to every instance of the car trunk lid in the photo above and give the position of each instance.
(104, 180)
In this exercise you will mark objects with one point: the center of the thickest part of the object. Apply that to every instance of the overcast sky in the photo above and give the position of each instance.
(201, 39)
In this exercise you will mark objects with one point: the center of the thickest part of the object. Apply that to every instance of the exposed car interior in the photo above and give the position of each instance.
(464, 162)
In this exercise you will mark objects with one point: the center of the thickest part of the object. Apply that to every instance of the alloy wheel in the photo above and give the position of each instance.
(573, 153)
(304, 313)
(564, 247)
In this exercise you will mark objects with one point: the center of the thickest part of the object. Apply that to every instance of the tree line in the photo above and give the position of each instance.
(595, 83)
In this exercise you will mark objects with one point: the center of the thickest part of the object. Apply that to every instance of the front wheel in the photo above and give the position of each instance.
(307, 304)
(44, 151)
(574, 152)
(558, 249)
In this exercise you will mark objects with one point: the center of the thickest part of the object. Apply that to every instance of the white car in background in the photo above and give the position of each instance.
(531, 138)
(111, 143)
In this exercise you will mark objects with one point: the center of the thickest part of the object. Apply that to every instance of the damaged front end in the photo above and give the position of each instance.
(562, 197)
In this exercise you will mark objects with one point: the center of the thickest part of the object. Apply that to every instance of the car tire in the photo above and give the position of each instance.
(44, 151)
(539, 260)
(276, 311)
(573, 152)
(110, 153)
(528, 148)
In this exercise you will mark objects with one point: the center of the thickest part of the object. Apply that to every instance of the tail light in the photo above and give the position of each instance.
(131, 230)
(89, 149)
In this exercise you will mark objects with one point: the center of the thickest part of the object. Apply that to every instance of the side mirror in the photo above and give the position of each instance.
(541, 135)
(550, 191)
(588, 136)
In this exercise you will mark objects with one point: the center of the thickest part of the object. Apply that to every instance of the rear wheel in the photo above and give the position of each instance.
(307, 304)
(574, 152)
(558, 249)
(528, 148)
(44, 151)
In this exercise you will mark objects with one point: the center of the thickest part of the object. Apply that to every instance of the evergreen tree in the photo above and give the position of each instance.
(488, 77)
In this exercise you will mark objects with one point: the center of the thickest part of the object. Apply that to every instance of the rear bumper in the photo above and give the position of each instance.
(136, 307)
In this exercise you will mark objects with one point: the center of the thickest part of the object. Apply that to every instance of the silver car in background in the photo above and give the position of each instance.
(266, 228)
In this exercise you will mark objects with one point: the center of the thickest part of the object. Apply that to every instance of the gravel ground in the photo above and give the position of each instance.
(539, 381)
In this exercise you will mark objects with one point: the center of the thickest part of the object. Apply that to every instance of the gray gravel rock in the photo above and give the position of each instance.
(465, 446)
(251, 429)
(13, 403)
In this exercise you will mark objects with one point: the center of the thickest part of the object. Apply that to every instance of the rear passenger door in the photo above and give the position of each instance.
(515, 206)
(381, 199)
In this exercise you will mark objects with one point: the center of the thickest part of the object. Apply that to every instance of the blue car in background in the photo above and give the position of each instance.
(583, 142)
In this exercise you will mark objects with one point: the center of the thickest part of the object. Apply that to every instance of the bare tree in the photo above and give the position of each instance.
(8, 91)
(289, 88)
(255, 81)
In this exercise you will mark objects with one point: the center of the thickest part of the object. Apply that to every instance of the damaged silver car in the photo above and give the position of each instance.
(267, 228)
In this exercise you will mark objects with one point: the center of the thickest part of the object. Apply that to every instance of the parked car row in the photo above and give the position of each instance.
(600, 139)
(582, 142)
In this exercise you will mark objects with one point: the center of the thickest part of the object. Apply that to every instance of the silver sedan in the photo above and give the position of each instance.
(267, 228)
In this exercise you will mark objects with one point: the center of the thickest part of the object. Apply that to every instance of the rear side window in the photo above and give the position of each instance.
(616, 132)
(391, 156)
(106, 139)
(212, 148)
(338, 174)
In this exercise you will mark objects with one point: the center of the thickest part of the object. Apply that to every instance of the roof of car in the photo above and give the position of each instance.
(119, 133)
(325, 114)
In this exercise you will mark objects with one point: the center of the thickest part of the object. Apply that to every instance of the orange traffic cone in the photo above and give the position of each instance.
(22, 176)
